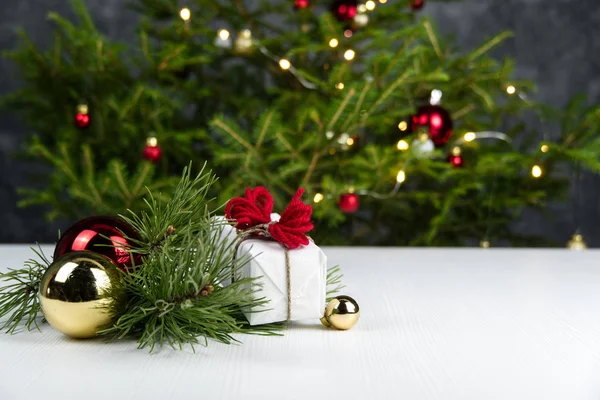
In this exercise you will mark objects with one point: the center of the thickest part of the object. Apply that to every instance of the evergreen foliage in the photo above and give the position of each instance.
(259, 124)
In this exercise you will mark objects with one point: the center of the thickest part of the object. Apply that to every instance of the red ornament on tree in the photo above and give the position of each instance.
(455, 158)
(152, 151)
(456, 161)
(416, 5)
(82, 118)
(103, 235)
(344, 10)
(435, 120)
(349, 203)
(300, 4)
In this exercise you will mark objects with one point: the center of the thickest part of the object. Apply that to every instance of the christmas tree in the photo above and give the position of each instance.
(398, 138)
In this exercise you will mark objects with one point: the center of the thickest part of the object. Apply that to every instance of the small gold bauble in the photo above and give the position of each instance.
(342, 312)
(361, 20)
(577, 242)
(73, 293)
(484, 244)
(82, 109)
(243, 43)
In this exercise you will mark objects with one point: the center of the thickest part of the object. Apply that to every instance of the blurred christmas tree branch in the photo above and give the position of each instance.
(213, 86)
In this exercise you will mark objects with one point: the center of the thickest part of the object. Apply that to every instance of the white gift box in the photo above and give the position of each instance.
(308, 277)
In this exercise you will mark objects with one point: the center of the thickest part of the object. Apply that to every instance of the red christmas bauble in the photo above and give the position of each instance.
(349, 203)
(82, 121)
(103, 235)
(299, 4)
(417, 4)
(456, 161)
(152, 153)
(435, 120)
(344, 10)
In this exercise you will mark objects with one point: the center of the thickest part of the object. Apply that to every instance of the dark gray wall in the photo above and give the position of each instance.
(556, 44)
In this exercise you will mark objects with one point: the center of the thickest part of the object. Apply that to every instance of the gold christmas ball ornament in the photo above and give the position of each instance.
(73, 293)
(577, 242)
(342, 313)
(243, 43)
(361, 20)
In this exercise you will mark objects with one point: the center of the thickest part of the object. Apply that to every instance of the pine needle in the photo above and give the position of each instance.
(19, 294)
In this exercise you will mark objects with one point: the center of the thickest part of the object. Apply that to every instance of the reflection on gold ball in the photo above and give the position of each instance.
(73, 293)
(341, 313)
(577, 243)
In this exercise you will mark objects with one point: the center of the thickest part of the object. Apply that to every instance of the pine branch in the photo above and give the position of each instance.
(334, 282)
(19, 294)
(432, 38)
(490, 44)
(176, 296)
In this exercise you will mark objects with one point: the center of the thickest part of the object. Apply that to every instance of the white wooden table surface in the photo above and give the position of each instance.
(435, 324)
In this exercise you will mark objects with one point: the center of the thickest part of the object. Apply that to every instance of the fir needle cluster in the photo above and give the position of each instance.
(19, 294)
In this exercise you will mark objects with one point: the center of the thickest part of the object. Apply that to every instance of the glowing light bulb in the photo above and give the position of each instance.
(435, 97)
(361, 8)
(185, 14)
(284, 64)
(403, 126)
(318, 197)
(402, 145)
(370, 5)
(536, 171)
(223, 34)
(511, 89)
(383, 1)
(339, 86)
(152, 141)
(456, 151)
(350, 141)
(469, 136)
(544, 148)
(333, 42)
(401, 177)
(349, 54)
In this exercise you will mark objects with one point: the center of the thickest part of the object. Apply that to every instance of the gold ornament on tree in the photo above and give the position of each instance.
(577, 242)
(74, 293)
(423, 146)
(342, 313)
(243, 43)
(361, 20)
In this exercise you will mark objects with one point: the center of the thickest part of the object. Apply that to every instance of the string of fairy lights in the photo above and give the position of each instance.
(244, 42)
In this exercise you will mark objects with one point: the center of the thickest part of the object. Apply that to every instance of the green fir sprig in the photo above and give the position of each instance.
(19, 294)
(176, 296)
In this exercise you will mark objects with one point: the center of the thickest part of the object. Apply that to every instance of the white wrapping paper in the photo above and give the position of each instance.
(308, 278)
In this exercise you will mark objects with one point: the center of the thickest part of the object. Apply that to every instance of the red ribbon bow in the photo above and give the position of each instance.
(254, 210)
